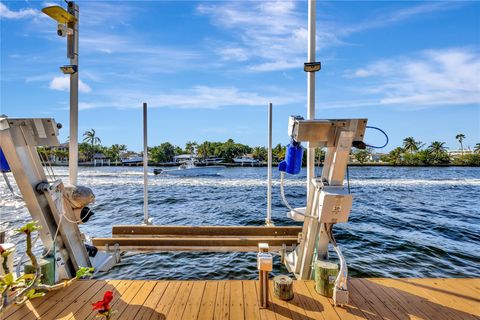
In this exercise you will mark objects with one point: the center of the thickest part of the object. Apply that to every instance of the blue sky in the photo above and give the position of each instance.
(209, 69)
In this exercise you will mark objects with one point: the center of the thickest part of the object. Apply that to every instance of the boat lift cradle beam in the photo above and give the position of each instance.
(18, 140)
(199, 238)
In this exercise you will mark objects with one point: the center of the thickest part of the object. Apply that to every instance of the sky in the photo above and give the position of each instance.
(209, 69)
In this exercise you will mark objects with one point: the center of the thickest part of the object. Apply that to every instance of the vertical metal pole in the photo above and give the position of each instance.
(72, 50)
(268, 221)
(145, 166)
(311, 91)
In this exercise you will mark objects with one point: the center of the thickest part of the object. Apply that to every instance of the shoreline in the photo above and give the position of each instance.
(234, 165)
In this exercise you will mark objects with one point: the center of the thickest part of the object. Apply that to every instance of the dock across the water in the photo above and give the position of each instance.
(236, 299)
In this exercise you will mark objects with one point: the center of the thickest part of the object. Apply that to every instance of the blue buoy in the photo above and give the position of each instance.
(4, 167)
(293, 159)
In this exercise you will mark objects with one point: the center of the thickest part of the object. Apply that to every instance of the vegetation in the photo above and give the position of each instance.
(28, 286)
(412, 152)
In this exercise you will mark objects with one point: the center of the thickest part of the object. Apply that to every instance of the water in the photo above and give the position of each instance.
(405, 222)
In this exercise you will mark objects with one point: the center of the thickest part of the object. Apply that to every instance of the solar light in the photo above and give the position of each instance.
(59, 14)
(312, 66)
(69, 69)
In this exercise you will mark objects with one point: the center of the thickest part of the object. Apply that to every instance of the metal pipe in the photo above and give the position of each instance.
(73, 55)
(268, 221)
(145, 166)
(311, 91)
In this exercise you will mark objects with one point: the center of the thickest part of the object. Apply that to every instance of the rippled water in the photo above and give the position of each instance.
(405, 222)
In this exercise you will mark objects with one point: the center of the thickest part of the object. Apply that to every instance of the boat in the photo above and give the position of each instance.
(246, 160)
(189, 169)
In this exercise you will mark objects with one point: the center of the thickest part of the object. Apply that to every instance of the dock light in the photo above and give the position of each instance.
(69, 69)
(59, 14)
(312, 66)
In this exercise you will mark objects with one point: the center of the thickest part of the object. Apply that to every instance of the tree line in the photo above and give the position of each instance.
(412, 152)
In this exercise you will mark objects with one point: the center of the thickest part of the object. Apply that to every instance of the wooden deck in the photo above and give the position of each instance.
(370, 299)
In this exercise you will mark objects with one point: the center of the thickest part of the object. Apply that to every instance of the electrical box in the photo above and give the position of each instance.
(335, 204)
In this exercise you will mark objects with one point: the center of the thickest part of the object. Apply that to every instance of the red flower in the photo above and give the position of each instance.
(104, 305)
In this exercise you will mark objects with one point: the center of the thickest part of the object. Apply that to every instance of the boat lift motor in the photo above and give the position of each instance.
(328, 201)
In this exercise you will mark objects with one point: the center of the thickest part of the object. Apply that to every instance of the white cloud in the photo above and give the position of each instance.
(274, 33)
(429, 78)
(63, 84)
(6, 13)
(197, 97)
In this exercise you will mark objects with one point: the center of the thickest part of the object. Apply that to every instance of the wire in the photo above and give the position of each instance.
(341, 281)
(386, 136)
(282, 192)
(348, 179)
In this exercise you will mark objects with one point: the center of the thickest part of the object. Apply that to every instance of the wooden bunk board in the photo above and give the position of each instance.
(200, 238)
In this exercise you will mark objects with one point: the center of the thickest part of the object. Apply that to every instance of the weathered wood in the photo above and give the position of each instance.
(429, 299)
(222, 244)
(283, 287)
(224, 231)
(325, 275)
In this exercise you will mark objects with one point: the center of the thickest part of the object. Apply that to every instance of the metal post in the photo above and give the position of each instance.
(311, 90)
(72, 53)
(145, 166)
(268, 221)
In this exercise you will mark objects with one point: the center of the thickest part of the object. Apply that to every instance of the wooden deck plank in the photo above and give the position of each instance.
(207, 305)
(148, 307)
(377, 303)
(167, 301)
(181, 299)
(222, 301)
(417, 302)
(250, 298)
(137, 302)
(463, 297)
(362, 304)
(437, 303)
(72, 291)
(29, 306)
(265, 313)
(194, 301)
(396, 299)
(83, 301)
(236, 300)
(86, 311)
(349, 312)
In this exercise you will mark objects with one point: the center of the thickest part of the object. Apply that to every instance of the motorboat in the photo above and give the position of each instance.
(189, 169)
(246, 160)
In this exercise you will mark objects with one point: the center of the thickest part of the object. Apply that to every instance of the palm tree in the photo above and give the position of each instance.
(90, 137)
(190, 147)
(437, 147)
(411, 145)
(460, 137)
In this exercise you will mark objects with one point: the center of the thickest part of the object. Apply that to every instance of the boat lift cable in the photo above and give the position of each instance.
(341, 281)
(386, 137)
(282, 192)
(9, 186)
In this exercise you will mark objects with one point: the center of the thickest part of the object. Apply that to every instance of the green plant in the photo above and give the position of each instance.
(28, 286)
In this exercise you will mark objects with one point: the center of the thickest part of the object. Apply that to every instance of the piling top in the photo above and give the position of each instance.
(283, 279)
(326, 264)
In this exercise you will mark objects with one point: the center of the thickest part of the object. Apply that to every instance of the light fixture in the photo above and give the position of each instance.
(69, 69)
(59, 14)
(312, 66)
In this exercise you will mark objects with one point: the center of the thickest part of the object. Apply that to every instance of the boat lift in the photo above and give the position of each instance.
(328, 202)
